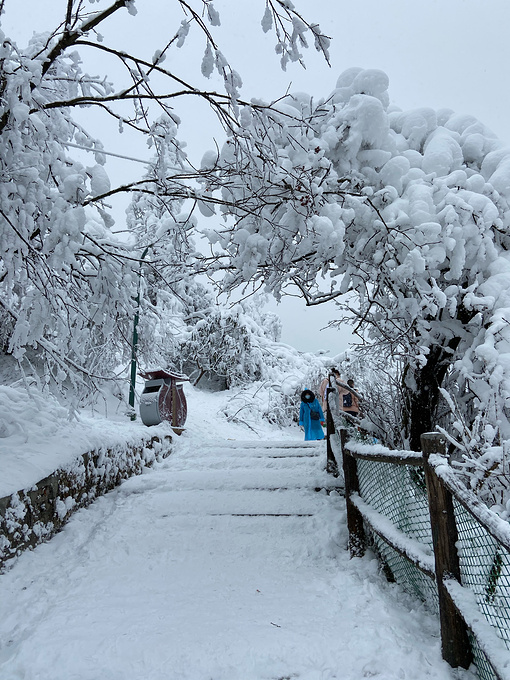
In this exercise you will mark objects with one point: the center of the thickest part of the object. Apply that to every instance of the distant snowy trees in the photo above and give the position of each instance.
(406, 214)
(180, 321)
(234, 343)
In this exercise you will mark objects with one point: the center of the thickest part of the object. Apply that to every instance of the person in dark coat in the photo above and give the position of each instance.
(311, 416)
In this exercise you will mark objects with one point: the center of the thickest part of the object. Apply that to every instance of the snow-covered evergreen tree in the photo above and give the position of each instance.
(230, 342)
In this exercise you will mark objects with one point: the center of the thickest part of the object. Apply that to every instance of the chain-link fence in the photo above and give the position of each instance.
(485, 570)
(397, 492)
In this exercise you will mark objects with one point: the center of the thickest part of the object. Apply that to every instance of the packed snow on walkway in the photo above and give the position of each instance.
(221, 563)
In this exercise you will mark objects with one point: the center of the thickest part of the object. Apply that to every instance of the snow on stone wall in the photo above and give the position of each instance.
(33, 515)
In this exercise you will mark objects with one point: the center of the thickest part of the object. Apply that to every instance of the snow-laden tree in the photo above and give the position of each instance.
(236, 343)
(161, 233)
(68, 286)
(180, 324)
(65, 285)
(405, 212)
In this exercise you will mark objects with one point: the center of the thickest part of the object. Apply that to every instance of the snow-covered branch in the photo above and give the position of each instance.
(73, 288)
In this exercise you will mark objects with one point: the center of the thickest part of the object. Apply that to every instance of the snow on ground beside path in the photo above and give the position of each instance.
(36, 436)
(185, 573)
(206, 418)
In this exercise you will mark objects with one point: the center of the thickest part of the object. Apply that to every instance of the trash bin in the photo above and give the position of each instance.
(163, 399)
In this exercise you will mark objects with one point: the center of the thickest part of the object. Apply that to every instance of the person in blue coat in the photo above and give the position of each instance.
(311, 416)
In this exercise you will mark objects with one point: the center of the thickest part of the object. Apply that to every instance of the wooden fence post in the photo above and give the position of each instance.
(354, 518)
(455, 644)
(331, 462)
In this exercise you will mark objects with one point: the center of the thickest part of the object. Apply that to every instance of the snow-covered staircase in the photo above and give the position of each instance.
(222, 563)
(250, 479)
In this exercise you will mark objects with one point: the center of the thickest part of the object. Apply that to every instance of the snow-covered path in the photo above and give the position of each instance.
(223, 563)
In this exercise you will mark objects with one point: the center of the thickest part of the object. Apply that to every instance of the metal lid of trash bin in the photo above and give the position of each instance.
(161, 373)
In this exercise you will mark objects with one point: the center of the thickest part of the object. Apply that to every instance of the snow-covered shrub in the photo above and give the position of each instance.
(225, 344)
(285, 398)
(277, 398)
(378, 378)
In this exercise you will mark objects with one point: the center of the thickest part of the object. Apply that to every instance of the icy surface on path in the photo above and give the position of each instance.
(222, 563)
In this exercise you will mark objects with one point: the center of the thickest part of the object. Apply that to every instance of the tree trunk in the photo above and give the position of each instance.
(421, 385)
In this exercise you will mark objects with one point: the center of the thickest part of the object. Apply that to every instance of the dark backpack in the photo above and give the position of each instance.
(347, 400)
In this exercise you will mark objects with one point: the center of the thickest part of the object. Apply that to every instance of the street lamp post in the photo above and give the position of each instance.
(134, 346)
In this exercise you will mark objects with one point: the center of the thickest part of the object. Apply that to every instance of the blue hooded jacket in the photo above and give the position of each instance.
(313, 428)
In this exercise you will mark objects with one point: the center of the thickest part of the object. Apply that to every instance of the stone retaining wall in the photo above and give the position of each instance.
(31, 516)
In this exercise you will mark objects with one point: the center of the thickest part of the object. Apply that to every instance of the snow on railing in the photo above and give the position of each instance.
(420, 519)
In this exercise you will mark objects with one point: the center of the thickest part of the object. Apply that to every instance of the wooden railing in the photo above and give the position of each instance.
(466, 632)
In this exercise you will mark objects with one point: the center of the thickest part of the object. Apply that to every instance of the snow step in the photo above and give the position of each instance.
(302, 487)
(261, 514)
(232, 443)
(292, 455)
(248, 454)
(235, 502)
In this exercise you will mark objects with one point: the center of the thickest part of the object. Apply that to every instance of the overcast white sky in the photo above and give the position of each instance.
(437, 53)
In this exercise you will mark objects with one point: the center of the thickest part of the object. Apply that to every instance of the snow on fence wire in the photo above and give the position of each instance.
(434, 537)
